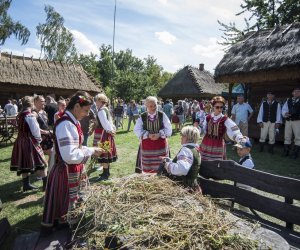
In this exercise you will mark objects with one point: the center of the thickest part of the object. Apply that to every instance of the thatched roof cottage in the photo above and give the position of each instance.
(264, 60)
(21, 76)
(191, 82)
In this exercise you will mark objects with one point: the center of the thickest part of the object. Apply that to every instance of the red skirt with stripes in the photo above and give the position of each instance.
(27, 156)
(213, 149)
(62, 192)
(102, 136)
(149, 154)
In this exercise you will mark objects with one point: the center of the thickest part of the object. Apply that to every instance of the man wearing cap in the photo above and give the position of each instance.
(291, 113)
(269, 119)
(241, 114)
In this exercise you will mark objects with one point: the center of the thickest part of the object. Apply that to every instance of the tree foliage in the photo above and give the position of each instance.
(9, 27)
(125, 75)
(57, 42)
(263, 14)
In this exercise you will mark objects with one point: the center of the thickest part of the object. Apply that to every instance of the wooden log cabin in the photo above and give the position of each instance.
(191, 82)
(20, 76)
(265, 60)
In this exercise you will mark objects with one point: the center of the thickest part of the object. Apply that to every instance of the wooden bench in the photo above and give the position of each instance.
(4, 230)
(212, 174)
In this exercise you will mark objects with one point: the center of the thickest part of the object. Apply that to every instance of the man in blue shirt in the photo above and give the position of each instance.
(241, 114)
(168, 109)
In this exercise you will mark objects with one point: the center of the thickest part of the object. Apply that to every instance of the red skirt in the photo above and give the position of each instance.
(62, 192)
(149, 154)
(27, 156)
(102, 136)
(212, 149)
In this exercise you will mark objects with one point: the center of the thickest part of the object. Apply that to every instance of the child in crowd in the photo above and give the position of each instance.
(243, 151)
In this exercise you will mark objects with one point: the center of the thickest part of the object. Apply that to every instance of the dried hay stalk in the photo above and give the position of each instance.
(148, 212)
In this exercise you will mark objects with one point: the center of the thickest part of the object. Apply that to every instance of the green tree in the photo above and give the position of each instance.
(89, 64)
(125, 76)
(9, 27)
(263, 14)
(289, 11)
(57, 42)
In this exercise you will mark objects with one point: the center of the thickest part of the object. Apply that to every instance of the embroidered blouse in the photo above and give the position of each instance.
(232, 129)
(184, 161)
(165, 132)
(68, 142)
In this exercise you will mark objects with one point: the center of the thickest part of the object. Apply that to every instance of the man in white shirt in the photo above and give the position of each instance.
(8, 107)
(291, 113)
(269, 119)
(241, 114)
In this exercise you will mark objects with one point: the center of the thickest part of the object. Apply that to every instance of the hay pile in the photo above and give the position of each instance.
(149, 212)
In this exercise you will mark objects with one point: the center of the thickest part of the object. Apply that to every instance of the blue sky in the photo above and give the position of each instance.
(176, 32)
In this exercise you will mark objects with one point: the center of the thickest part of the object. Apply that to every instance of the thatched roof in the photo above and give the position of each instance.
(36, 73)
(191, 82)
(264, 55)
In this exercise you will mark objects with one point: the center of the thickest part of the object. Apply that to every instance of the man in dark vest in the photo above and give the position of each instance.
(269, 119)
(291, 113)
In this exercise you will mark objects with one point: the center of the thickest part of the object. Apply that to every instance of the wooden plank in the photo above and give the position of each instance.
(230, 170)
(280, 210)
(289, 225)
(4, 230)
(26, 241)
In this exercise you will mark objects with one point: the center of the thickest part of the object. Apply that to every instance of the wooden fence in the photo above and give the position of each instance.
(213, 171)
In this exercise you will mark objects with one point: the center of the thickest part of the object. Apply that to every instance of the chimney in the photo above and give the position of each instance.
(201, 66)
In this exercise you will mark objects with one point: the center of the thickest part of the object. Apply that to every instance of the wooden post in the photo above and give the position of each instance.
(289, 225)
(249, 94)
(229, 99)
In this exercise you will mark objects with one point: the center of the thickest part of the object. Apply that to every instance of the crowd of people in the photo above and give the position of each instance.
(61, 130)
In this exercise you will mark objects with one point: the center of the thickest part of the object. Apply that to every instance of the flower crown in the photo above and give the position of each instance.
(82, 99)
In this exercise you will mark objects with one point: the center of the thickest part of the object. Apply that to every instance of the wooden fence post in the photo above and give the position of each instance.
(289, 225)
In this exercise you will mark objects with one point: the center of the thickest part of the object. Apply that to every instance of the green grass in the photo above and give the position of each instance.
(24, 210)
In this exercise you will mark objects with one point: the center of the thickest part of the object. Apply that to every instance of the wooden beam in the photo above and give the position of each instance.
(230, 98)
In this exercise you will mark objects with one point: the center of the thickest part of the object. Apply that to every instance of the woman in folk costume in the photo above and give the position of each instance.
(27, 155)
(46, 133)
(67, 177)
(105, 132)
(216, 126)
(184, 168)
(152, 128)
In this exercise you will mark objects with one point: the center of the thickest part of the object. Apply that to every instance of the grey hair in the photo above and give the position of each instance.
(191, 133)
(150, 99)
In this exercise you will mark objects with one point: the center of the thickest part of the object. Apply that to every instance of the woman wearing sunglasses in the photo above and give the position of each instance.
(216, 125)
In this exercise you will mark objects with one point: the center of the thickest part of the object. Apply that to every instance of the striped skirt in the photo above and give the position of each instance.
(148, 159)
(62, 193)
(102, 136)
(212, 149)
(27, 156)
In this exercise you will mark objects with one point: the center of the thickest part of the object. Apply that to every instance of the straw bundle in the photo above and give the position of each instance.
(149, 212)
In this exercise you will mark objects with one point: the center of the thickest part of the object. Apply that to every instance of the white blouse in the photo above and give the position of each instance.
(34, 127)
(165, 132)
(68, 142)
(232, 130)
(106, 124)
(184, 162)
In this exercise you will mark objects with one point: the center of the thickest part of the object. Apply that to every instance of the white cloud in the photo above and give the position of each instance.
(27, 52)
(211, 48)
(164, 2)
(166, 37)
(83, 44)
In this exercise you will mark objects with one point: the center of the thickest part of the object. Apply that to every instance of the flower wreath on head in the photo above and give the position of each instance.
(82, 99)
